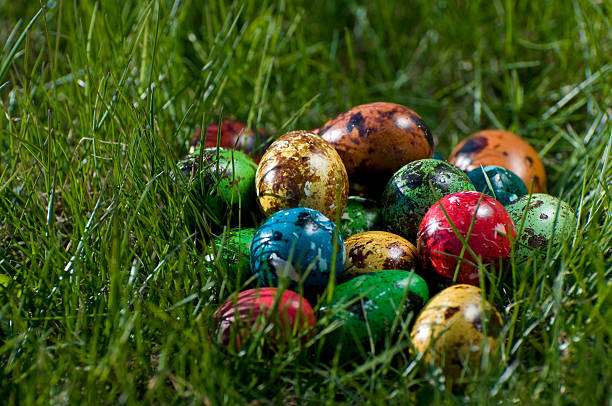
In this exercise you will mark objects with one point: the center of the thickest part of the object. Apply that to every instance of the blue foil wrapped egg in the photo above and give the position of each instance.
(299, 246)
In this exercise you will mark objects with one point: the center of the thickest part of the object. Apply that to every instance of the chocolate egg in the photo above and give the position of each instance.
(372, 251)
(233, 250)
(453, 328)
(300, 246)
(367, 305)
(375, 140)
(542, 220)
(360, 214)
(302, 170)
(488, 223)
(501, 148)
(499, 183)
(409, 194)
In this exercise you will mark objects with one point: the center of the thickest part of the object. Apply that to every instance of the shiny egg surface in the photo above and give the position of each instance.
(360, 214)
(233, 250)
(499, 183)
(230, 134)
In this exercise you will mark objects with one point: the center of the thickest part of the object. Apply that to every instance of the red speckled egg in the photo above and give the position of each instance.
(501, 148)
(375, 140)
(240, 317)
(234, 134)
(439, 247)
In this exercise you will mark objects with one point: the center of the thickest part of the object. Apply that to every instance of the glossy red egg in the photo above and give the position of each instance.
(234, 134)
(439, 247)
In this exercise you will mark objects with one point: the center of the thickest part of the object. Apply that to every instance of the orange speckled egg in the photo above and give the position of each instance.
(375, 140)
(301, 169)
(501, 148)
(376, 251)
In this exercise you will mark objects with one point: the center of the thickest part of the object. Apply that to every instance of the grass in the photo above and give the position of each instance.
(109, 301)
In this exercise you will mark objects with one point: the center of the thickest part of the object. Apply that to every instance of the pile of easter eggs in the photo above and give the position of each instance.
(359, 218)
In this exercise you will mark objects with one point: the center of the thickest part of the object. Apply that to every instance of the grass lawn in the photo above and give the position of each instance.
(109, 300)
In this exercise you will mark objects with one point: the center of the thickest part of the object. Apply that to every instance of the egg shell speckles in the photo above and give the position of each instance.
(408, 195)
(501, 148)
(505, 186)
(297, 245)
(440, 249)
(545, 216)
(360, 215)
(450, 329)
(302, 170)
(372, 251)
(375, 140)
(374, 300)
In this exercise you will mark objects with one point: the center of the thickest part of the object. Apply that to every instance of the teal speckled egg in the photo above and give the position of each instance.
(409, 195)
(503, 185)
(233, 251)
(547, 220)
(360, 215)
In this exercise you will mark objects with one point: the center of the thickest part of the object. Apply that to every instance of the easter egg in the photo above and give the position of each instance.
(542, 220)
(414, 189)
(232, 135)
(299, 246)
(438, 156)
(367, 305)
(233, 250)
(375, 140)
(439, 248)
(302, 170)
(372, 251)
(499, 183)
(280, 315)
(501, 148)
(453, 327)
(360, 214)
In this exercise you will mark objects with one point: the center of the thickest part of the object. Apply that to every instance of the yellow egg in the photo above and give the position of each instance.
(300, 169)
(450, 330)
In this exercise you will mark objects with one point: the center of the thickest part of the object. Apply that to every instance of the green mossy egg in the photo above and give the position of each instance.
(360, 214)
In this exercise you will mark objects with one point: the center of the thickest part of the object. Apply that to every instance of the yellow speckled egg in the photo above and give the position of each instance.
(451, 329)
(376, 251)
(300, 169)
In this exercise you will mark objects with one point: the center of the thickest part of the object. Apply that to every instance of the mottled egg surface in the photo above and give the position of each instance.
(372, 251)
(439, 248)
(544, 220)
(414, 189)
(360, 214)
(375, 140)
(368, 304)
(499, 183)
(501, 148)
(453, 328)
(302, 170)
(298, 246)
(233, 250)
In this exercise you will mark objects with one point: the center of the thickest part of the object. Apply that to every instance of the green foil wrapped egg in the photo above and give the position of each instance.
(233, 250)
(360, 214)
(541, 220)
(408, 194)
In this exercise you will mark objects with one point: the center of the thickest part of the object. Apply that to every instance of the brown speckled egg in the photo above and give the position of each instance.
(375, 140)
(301, 169)
(450, 330)
(501, 148)
(376, 251)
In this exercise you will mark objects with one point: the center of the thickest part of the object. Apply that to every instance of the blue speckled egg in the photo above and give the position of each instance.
(503, 185)
(297, 245)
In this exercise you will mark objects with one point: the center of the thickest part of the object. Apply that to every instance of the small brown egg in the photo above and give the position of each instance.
(375, 140)
(301, 169)
(501, 148)
(376, 251)
(450, 330)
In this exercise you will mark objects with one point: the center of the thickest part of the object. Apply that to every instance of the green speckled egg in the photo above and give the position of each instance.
(547, 220)
(372, 301)
(408, 194)
(360, 214)
(233, 251)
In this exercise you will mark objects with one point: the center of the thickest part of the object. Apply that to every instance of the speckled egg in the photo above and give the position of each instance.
(372, 251)
(232, 135)
(438, 156)
(499, 183)
(501, 148)
(250, 312)
(375, 140)
(439, 248)
(367, 305)
(452, 329)
(547, 220)
(297, 246)
(302, 170)
(360, 214)
(233, 250)
(409, 195)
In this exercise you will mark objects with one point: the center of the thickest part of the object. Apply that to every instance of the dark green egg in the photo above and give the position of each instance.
(408, 194)
(360, 215)
(369, 304)
(233, 252)
(501, 184)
